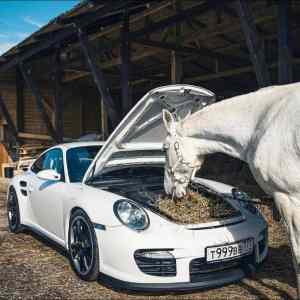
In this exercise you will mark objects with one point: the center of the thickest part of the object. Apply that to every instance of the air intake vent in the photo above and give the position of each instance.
(200, 270)
(156, 262)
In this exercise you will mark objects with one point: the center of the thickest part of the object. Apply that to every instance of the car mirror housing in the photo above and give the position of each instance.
(49, 175)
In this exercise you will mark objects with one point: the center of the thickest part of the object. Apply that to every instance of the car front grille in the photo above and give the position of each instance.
(165, 267)
(200, 270)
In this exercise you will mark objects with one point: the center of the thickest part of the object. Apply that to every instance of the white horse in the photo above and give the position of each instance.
(261, 128)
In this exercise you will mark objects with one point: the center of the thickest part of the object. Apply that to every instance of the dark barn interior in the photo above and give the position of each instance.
(85, 69)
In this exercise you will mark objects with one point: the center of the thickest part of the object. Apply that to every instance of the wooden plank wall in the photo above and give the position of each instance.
(33, 122)
(81, 115)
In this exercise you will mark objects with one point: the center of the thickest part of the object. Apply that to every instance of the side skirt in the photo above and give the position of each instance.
(46, 240)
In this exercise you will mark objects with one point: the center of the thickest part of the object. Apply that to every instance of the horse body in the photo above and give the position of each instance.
(261, 128)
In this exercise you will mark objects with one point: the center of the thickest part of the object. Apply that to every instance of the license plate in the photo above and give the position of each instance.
(229, 251)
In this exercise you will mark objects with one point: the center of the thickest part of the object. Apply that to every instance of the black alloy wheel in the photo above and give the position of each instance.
(13, 212)
(83, 247)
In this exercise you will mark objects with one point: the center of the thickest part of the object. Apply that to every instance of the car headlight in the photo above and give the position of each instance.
(131, 215)
(245, 200)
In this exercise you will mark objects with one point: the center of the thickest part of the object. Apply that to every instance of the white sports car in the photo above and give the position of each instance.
(102, 208)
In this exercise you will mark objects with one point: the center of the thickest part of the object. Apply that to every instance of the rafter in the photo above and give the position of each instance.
(177, 18)
(231, 72)
(255, 47)
(99, 79)
(202, 52)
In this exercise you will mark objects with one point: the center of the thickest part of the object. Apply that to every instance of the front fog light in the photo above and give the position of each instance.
(157, 254)
(131, 215)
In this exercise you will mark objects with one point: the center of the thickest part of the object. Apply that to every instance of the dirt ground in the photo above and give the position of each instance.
(30, 268)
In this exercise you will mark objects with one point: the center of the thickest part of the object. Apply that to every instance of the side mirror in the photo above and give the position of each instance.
(49, 175)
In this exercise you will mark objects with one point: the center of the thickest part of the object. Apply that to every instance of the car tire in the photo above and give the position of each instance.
(83, 246)
(13, 212)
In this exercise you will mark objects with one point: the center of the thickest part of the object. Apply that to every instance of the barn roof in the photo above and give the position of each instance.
(212, 45)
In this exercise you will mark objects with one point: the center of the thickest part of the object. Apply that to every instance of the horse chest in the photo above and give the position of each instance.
(271, 167)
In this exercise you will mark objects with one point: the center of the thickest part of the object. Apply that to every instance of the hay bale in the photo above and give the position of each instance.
(196, 208)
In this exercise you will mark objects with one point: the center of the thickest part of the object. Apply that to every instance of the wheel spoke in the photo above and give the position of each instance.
(85, 262)
(81, 246)
(74, 249)
(12, 210)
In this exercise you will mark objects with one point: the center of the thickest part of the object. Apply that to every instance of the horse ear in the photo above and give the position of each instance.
(169, 121)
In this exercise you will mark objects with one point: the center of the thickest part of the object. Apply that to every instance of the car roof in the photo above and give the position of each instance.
(71, 145)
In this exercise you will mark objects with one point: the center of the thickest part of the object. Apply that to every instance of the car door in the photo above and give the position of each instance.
(47, 196)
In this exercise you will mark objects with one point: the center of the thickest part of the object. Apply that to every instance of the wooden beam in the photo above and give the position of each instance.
(176, 62)
(221, 29)
(19, 100)
(58, 98)
(179, 17)
(201, 35)
(284, 54)
(10, 124)
(153, 9)
(202, 52)
(176, 68)
(34, 136)
(254, 46)
(99, 79)
(42, 137)
(125, 66)
(229, 73)
(39, 100)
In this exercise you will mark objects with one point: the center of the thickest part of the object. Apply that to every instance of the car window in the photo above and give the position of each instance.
(78, 161)
(52, 159)
(38, 164)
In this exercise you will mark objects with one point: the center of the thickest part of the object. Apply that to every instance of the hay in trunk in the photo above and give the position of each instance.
(196, 208)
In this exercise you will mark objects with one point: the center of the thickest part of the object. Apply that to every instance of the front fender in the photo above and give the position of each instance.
(97, 203)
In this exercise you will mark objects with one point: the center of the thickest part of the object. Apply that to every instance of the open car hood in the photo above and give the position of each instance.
(143, 128)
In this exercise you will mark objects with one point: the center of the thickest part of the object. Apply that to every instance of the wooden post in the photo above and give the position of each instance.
(82, 114)
(58, 98)
(176, 67)
(19, 100)
(104, 125)
(176, 63)
(10, 124)
(39, 100)
(254, 46)
(99, 79)
(125, 67)
(285, 70)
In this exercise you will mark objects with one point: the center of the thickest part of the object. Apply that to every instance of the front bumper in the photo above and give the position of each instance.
(213, 280)
(219, 280)
(117, 246)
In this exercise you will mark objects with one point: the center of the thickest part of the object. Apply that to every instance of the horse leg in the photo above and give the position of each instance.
(289, 208)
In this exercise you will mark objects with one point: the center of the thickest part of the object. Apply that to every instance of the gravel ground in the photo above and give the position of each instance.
(30, 268)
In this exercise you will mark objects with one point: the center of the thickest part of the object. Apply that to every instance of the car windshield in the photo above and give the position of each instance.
(139, 173)
(78, 161)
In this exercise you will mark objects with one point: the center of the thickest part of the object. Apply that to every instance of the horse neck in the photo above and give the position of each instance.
(227, 126)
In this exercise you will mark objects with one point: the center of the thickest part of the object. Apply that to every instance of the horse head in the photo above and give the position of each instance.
(182, 159)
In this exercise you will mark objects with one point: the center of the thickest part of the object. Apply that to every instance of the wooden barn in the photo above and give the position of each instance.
(86, 68)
